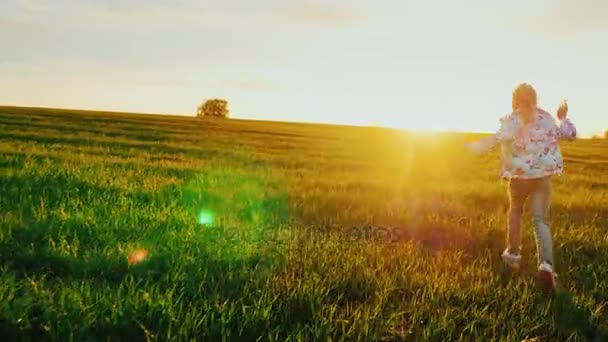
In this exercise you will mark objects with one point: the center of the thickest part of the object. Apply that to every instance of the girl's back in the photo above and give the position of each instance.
(531, 150)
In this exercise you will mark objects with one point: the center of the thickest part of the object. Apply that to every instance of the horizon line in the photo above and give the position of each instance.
(193, 116)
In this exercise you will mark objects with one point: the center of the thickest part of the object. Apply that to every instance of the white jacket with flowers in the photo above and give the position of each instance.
(532, 150)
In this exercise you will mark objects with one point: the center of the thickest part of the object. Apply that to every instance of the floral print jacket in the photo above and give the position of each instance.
(532, 150)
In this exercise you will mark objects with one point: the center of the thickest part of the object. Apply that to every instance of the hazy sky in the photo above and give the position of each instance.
(416, 64)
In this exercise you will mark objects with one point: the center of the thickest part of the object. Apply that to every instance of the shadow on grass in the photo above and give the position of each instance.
(100, 141)
(570, 319)
(29, 250)
(59, 127)
(123, 148)
(203, 287)
(204, 268)
(20, 159)
(194, 273)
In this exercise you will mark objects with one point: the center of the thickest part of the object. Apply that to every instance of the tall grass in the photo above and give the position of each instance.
(310, 232)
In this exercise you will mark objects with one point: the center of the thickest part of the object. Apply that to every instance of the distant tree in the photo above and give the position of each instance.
(217, 108)
(606, 134)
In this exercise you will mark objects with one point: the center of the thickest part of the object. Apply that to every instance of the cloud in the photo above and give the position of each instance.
(94, 75)
(266, 15)
(163, 32)
(324, 14)
(32, 6)
(251, 85)
(563, 19)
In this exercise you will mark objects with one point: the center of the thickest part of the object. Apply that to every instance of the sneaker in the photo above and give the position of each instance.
(546, 276)
(512, 260)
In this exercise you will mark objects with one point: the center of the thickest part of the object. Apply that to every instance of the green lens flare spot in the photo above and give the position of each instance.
(205, 217)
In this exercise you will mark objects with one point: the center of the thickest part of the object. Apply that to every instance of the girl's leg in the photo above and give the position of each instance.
(541, 197)
(518, 192)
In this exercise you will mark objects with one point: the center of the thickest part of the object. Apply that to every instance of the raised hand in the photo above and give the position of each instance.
(562, 111)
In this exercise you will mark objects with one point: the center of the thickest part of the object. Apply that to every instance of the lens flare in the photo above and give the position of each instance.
(205, 217)
(138, 256)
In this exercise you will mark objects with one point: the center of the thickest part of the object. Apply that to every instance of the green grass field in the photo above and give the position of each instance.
(281, 232)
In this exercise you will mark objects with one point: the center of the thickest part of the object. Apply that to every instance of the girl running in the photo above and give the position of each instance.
(530, 156)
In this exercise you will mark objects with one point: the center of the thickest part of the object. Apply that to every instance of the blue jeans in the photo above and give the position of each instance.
(539, 192)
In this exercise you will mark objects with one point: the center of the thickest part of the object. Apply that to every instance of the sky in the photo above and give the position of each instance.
(429, 65)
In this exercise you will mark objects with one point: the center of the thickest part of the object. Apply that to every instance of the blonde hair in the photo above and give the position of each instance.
(524, 96)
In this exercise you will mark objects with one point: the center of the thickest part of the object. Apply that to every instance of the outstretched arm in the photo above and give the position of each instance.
(483, 145)
(504, 133)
